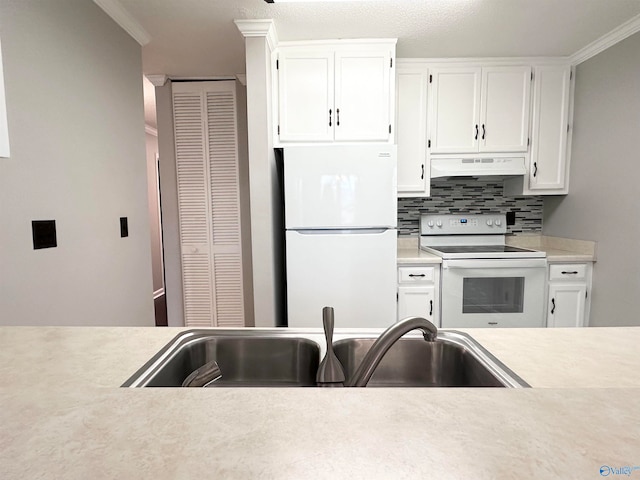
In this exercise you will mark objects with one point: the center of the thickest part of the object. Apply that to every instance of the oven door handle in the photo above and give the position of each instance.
(495, 263)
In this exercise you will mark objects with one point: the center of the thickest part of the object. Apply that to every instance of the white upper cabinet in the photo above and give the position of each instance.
(477, 109)
(362, 95)
(336, 92)
(411, 130)
(455, 110)
(306, 80)
(550, 128)
(504, 109)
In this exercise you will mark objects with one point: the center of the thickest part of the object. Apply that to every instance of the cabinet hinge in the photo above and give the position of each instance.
(277, 64)
(391, 63)
(570, 74)
(389, 128)
(429, 144)
(430, 78)
(528, 141)
(278, 129)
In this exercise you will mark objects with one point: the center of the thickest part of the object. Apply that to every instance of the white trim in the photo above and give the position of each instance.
(259, 28)
(122, 17)
(158, 293)
(484, 61)
(211, 78)
(150, 130)
(616, 35)
(339, 42)
(242, 78)
(157, 80)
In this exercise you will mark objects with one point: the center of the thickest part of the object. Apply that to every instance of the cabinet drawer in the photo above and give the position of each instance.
(416, 274)
(570, 271)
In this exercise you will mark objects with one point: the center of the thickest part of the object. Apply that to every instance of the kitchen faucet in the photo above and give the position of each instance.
(380, 347)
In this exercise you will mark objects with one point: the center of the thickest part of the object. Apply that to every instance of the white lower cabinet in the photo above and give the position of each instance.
(568, 302)
(419, 292)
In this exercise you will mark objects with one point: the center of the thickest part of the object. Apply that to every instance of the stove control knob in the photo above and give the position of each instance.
(498, 222)
(430, 223)
(439, 223)
(490, 222)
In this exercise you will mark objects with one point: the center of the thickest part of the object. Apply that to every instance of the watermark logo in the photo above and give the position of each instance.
(627, 470)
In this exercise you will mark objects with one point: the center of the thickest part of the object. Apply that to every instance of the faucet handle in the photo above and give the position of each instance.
(330, 372)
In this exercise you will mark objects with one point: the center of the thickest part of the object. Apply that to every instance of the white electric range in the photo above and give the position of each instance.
(485, 283)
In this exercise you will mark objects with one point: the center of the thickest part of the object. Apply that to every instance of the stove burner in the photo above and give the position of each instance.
(480, 249)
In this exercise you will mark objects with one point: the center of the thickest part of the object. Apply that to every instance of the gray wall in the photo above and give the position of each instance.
(169, 204)
(603, 202)
(74, 101)
(154, 212)
(245, 205)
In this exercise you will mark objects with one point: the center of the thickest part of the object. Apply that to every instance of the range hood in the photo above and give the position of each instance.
(477, 167)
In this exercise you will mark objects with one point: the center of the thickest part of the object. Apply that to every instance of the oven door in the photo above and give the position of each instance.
(493, 293)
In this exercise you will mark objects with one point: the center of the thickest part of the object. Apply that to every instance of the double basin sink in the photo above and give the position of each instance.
(285, 358)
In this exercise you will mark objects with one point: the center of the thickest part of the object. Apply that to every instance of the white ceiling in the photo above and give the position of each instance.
(199, 38)
(194, 38)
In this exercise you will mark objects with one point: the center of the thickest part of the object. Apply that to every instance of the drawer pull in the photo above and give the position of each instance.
(416, 275)
(493, 323)
(570, 273)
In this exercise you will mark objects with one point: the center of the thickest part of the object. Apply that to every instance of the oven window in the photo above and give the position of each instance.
(493, 295)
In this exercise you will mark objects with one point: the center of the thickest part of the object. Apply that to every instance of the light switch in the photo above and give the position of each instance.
(124, 227)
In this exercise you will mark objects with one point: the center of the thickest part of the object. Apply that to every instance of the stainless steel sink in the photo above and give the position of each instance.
(285, 358)
(245, 361)
(453, 360)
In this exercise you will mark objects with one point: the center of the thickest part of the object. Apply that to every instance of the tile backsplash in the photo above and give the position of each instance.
(470, 195)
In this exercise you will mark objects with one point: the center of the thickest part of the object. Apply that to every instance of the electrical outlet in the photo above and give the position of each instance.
(44, 234)
(511, 218)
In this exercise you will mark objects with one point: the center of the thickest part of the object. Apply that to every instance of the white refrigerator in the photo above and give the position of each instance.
(341, 237)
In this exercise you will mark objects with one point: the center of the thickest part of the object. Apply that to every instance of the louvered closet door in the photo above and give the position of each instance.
(225, 206)
(209, 202)
(189, 128)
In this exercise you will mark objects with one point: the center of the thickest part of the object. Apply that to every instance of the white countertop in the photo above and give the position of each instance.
(63, 415)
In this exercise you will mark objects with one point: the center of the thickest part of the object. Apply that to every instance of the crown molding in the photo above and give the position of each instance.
(259, 28)
(616, 35)
(242, 78)
(150, 130)
(122, 17)
(157, 80)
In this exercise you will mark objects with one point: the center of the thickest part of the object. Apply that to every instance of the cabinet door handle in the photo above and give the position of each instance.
(337, 117)
(330, 117)
(422, 176)
(430, 308)
(476, 132)
(483, 131)
(570, 273)
(417, 275)
(553, 305)
(535, 169)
